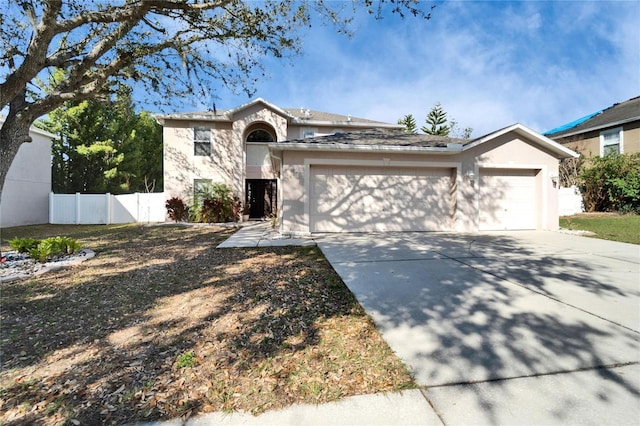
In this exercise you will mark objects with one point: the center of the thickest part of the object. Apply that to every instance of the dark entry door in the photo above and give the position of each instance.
(261, 197)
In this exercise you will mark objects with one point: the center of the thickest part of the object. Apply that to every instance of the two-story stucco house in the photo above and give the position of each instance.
(25, 196)
(328, 173)
(232, 147)
(614, 130)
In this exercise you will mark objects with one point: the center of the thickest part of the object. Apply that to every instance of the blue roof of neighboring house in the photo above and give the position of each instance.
(617, 114)
(572, 124)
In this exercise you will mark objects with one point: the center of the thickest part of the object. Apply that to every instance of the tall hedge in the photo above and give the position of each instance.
(612, 183)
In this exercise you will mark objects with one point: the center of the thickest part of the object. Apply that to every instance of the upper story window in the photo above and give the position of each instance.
(260, 136)
(202, 141)
(308, 133)
(611, 142)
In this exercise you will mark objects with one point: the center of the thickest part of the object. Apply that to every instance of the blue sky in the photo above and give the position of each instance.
(490, 64)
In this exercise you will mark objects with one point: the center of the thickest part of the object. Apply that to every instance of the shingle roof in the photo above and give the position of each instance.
(619, 113)
(296, 115)
(386, 137)
(307, 114)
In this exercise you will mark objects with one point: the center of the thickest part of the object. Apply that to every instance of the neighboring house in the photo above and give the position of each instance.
(356, 175)
(615, 130)
(25, 196)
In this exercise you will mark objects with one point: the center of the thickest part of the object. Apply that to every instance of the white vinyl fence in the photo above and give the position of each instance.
(90, 209)
(570, 201)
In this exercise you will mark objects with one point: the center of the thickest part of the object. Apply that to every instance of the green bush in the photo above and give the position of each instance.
(45, 250)
(23, 245)
(215, 203)
(42, 250)
(612, 183)
(64, 245)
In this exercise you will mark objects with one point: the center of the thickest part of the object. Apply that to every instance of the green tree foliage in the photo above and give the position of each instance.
(104, 148)
(612, 183)
(409, 124)
(171, 49)
(436, 122)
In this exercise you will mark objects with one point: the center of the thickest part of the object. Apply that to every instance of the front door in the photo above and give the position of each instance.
(261, 197)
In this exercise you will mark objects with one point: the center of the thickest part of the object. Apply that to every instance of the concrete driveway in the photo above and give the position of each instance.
(505, 328)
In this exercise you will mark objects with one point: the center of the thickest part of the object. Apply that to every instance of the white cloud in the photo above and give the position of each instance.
(469, 58)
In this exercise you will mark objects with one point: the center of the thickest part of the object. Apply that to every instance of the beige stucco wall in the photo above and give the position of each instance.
(181, 166)
(505, 152)
(25, 196)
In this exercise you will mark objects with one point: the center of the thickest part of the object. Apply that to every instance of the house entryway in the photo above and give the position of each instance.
(261, 197)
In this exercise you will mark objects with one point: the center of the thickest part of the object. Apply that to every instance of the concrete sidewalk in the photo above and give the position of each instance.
(406, 408)
(260, 234)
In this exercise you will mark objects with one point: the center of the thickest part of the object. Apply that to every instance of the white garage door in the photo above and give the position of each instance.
(508, 199)
(365, 199)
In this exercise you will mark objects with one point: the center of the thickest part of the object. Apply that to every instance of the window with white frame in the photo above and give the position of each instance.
(202, 141)
(611, 142)
(308, 133)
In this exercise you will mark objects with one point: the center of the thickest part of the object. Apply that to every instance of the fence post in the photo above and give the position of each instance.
(51, 207)
(108, 202)
(77, 218)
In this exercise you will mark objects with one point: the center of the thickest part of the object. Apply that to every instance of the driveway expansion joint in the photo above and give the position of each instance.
(423, 391)
(529, 376)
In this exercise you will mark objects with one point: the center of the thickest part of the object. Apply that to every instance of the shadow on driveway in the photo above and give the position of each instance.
(474, 308)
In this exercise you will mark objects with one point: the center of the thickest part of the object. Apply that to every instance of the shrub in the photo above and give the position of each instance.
(177, 209)
(612, 183)
(64, 245)
(215, 203)
(23, 245)
(46, 249)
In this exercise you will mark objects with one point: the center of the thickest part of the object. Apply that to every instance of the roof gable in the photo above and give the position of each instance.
(532, 136)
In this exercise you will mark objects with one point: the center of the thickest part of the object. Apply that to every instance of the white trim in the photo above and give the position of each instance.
(385, 162)
(532, 135)
(619, 131)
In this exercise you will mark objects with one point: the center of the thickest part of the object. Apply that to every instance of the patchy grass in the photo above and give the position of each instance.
(608, 226)
(160, 324)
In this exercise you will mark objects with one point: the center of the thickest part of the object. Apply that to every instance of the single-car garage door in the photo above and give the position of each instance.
(508, 199)
(365, 199)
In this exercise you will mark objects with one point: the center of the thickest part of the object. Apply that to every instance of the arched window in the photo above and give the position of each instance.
(260, 136)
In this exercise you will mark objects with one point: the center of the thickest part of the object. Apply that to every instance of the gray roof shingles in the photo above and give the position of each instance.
(381, 137)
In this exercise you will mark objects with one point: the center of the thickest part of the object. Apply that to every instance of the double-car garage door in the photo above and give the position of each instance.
(366, 199)
(369, 199)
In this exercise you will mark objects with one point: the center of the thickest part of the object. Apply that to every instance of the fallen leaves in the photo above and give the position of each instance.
(267, 328)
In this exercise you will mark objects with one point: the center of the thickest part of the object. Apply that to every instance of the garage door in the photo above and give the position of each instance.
(365, 199)
(508, 199)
